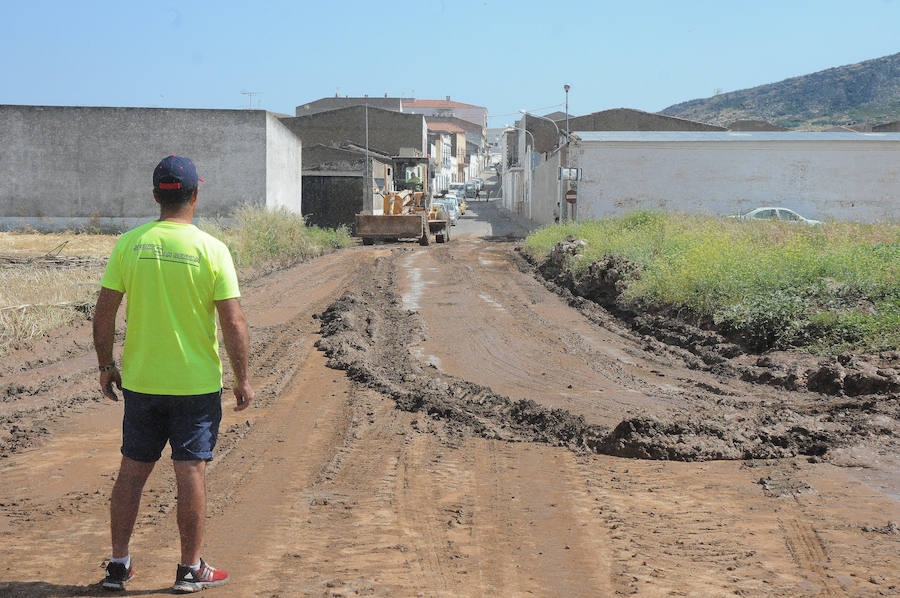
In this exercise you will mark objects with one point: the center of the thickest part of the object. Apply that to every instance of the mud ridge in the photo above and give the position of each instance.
(368, 334)
(604, 281)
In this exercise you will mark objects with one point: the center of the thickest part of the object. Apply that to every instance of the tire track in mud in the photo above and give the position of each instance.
(369, 334)
(72, 417)
(531, 329)
(278, 343)
(809, 553)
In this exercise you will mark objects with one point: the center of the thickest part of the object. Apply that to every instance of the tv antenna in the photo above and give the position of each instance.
(250, 94)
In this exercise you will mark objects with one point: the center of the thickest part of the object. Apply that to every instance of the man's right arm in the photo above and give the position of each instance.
(104, 336)
(237, 345)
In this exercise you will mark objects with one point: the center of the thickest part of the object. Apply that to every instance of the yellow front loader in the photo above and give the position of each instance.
(406, 215)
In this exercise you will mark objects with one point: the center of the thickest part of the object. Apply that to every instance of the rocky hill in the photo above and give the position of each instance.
(866, 92)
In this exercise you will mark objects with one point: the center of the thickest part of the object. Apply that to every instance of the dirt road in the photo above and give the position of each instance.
(327, 488)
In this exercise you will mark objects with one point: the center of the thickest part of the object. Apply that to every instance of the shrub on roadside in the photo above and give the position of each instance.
(775, 285)
(260, 236)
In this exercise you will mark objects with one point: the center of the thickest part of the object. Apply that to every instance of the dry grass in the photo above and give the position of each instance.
(63, 244)
(37, 294)
(36, 298)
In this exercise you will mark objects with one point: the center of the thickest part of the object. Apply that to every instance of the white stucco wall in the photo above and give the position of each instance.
(828, 176)
(69, 166)
(545, 190)
(284, 172)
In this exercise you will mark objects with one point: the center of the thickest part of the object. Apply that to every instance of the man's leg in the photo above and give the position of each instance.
(191, 479)
(125, 502)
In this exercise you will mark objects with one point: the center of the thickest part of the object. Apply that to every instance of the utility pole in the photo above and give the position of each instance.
(250, 95)
(562, 205)
(367, 188)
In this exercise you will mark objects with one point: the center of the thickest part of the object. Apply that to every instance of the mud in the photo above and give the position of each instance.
(326, 488)
(369, 334)
(605, 280)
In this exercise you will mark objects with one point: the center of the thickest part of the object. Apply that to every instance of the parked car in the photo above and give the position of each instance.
(780, 214)
(459, 188)
(472, 189)
(459, 201)
(451, 205)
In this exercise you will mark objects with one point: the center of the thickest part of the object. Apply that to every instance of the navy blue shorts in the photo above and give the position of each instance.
(189, 423)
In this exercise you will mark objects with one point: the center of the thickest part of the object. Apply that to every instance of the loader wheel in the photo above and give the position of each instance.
(425, 240)
(439, 238)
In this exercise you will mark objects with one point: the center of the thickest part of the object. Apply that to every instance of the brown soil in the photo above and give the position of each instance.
(508, 469)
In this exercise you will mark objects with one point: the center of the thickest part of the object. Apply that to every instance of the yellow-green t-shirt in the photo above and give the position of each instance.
(172, 274)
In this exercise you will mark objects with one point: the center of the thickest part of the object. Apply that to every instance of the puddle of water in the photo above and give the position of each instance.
(416, 286)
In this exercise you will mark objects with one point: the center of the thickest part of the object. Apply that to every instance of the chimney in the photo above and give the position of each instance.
(385, 94)
(335, 94)
(448, 99)
(366, 95)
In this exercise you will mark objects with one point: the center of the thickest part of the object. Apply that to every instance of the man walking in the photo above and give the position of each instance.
(176, 278)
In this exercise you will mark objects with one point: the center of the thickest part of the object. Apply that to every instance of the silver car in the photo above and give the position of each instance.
(780, 214)
(451, 205)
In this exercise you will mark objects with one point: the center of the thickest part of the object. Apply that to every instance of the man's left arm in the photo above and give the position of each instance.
(104, 336)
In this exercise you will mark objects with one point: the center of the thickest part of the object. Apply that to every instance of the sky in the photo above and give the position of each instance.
(504, 55)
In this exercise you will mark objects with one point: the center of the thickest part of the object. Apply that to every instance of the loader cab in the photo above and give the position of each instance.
(411, 174)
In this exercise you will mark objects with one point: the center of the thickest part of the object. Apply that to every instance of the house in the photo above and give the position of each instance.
(326, 104)
(392, 133)
(457, 135)
(629, 119)
(447, 108)
(474, 133)
(443, 162)
(93, 166)
(824, 176)
(334, 182)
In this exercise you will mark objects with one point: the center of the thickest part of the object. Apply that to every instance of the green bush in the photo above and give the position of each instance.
(260, 236)
(826, 288)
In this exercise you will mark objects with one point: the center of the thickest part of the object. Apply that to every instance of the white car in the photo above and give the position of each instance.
(458, 188)
(780, 214)
(451, 205)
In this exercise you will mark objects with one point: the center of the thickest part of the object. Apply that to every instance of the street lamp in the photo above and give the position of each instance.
(566, 87)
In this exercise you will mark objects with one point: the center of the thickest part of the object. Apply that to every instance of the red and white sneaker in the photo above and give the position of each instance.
(187, 580)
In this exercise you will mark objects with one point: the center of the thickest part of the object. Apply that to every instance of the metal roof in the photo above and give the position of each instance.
(638, 136)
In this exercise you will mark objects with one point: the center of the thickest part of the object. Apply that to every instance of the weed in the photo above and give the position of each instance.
(37, 295)
(263, 237)
(825, 288)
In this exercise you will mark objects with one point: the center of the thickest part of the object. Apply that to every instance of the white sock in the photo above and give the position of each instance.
(194, 568)
(124, 560)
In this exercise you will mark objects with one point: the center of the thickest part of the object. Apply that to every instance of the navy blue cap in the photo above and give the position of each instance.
(175, 172)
